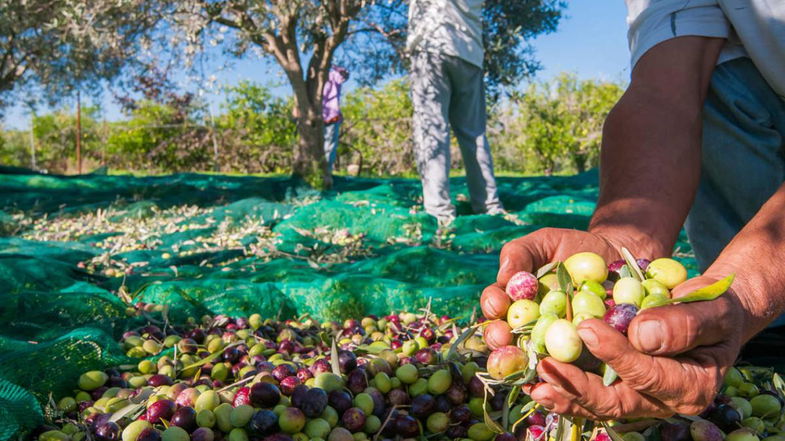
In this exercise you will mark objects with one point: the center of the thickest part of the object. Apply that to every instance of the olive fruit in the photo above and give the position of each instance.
(667, 271)
(522, 285)
(703, 430)
(291, 420)
(586, 266)
(522, 312)
(505, 361)
(92, 380)
(174, 433)
(765, 405)
(555, 302)
(562, 341)
(588, 303)
(620, 316)
(628, 290)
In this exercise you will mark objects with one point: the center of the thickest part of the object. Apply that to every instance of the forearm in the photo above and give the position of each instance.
(754, 256)
(650, 166)
(650, 160)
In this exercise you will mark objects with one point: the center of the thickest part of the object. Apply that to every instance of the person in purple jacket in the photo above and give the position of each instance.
(331, 112)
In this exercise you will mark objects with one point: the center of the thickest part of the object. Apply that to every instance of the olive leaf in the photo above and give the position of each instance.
(211, 357)
(453, 352)
(625, 271)
(632, 263)
(609, 376)
(709, 292)
(561, 428)
(512, 396)
(493, 425)
(565, 281)
(778, 383)
(137, 403)
(545, 269)
(334, 359)
(611, 432)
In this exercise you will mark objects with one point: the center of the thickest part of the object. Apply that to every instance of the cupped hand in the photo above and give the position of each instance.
(530, 252)
(672, 361)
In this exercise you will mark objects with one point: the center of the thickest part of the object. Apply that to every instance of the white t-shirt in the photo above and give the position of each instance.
(449, 27)
(754, 28)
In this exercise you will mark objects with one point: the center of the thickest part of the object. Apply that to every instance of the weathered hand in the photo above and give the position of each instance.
(673, 361)
(534, 250)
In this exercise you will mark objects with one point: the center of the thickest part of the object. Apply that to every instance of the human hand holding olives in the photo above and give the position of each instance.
(672, 361)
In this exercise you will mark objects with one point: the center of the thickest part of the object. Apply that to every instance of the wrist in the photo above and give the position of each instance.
(750, 288)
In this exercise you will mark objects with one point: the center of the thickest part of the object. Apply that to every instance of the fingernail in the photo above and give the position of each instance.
(650, 335)
(588, 336)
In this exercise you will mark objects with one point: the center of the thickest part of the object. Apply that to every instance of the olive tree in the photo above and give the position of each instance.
(62, 45)
(304, 37)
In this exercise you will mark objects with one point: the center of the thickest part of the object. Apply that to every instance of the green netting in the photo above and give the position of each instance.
(208, 244)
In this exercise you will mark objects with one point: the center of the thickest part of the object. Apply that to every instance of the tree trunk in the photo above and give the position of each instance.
(309, 160)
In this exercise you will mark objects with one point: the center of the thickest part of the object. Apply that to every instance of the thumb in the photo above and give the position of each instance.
(674, 329)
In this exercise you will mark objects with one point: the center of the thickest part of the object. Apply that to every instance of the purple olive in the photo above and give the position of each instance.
(407, 426)
(320, 366)
(456, 393)
(184, 417)
(161, 409)
(108, 431)
(264, 395)
(299, 395)
(725, 417)
(398, 397)
(340, 400)
(476, 388)
(304, 375)
(454, 432)
(675, 431)
(263, 422)
(353, 419)
(505, 437)
(620, 316)
(315, 402)
(286, 347)
(460, 414)
(202, 434)
(282, 371)
(357, 381)
(497, 401)
(151, 434)
(347, 361)
(288, 384)
(443, 404)
(159, 380)
(426, 356)
(423, 405)
(232, 354)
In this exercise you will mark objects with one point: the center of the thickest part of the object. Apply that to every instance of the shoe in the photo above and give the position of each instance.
(445, 222)
(496, 211)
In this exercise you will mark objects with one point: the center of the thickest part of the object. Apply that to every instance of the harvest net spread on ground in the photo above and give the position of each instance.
(76, 250)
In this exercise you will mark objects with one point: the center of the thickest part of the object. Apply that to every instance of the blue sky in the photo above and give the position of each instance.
(590, 42)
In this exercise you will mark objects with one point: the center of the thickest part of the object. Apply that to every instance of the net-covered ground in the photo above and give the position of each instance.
(77, 249)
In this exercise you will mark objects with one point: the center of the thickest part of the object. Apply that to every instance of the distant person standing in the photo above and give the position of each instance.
(331, 112)
(445, 45)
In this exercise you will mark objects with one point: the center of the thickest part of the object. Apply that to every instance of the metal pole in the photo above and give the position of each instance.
(78, 132)
(215, 141)
(33, 164)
